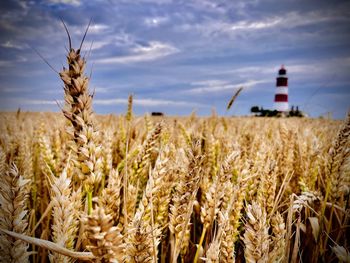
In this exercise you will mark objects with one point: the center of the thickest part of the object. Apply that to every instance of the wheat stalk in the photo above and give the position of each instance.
(50, 246)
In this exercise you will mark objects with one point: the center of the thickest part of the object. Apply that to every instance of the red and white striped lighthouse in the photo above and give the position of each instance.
(281, 96)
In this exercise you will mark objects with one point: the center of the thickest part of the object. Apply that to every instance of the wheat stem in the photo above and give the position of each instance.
(199, 245)
(50, 246)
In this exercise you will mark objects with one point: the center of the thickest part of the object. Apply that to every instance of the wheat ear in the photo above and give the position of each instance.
(104, 240)
(13, 212)
(277, 245)
(86, 153)
(256, 237)
(339, 163)
(66, 206)
(183, 200)
(110, 198)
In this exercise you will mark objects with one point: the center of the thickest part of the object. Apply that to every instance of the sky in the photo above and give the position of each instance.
(179, 56)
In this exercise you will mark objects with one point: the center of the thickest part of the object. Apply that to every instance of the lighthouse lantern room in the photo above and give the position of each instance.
(281, 95)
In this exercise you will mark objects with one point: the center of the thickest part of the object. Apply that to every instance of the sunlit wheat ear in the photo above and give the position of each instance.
(144, 231)
(213, 252)
(230, 218)
(107, 154)
(308, 161)
(210, 168)
(339, 162)
(210, 208)
(186, 136)
(59, 150)
(129, 207)
(215, 195)
(164, 177)
(267, 187)
(110, 198)
(284, 153)
(3, 164)
(46, 154)
(148, 123)
(156, 197)
(129, 114)
(104, 240)
(66, 206)
(256, 237)
(24, 160)
(142, 239)
(183, 199)
(225, 238)
(141, 164)
(226, 185)
(84, 137)
(13, 212)
(212, 152)
(277, 245)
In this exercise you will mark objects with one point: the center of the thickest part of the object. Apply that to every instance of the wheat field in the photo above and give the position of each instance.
(76, 186)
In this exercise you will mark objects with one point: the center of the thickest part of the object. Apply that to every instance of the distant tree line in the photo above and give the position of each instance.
(261, 112)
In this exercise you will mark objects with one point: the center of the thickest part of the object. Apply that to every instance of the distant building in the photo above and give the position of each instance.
(281, 95)
(157, 113)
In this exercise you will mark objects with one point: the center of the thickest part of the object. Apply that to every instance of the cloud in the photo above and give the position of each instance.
(5, 63)
(67, 2)
(116, 39)
(100, 89)
(250, 70)
(24, 101)
(214, 27)
(246, 25)
(98, 28)
(155, 50)
(107, 102)
(219, 85)
(10, 44)
(147, 102)
(94, 29)
(96, 44)
(155, 21)
(321, 66)
(15, 89)
(12, 62)
(210, 82)
(208, 6)
(289, 20)
(159, 2)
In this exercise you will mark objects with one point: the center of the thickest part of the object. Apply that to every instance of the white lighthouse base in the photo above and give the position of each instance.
(281, 106)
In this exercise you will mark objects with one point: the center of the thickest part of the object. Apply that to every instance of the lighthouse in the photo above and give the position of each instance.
(281, 96)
